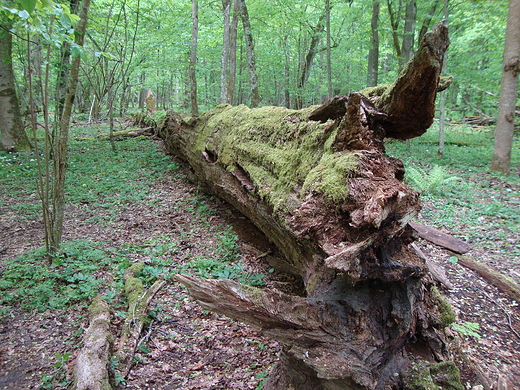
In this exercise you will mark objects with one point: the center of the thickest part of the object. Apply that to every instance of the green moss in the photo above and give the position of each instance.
(447, 313)
(133, 286)
(98, 305)
(281, 151)
(440, 376)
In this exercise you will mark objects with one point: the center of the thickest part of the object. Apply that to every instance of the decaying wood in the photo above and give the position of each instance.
(435, 270)
(503, 282)
(137, 317)
(317, 183)
(130, 133)
(440, 238)
(92, 368)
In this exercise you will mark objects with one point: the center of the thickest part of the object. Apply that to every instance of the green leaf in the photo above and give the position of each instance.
(28, 5)
(143, 348)
(24, 15)
(454, 260)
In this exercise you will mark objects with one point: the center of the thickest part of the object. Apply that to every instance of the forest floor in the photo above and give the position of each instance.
(189, 348)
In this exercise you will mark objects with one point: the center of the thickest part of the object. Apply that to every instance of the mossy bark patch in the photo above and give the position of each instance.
(440, 376)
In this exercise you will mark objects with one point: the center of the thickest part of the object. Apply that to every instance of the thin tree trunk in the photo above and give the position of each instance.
(60, 152)
(504, 131)
(12, 133)
(64, 70)
(329, 66)
(193, 57)
(442, 103)
(307, 64)
(373, 54)
(226, 8)
(232, 56)
(250, 52)
(394, 24)
(408, 33)
(427, 21)
(287, 74)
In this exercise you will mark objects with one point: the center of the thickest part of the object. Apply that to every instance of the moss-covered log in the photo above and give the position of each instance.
(318, 184)
(92, 368)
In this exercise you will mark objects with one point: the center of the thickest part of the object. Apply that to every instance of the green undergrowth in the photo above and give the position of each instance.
(458, 190)
(97, 176)
(104, 183)
(226, 264)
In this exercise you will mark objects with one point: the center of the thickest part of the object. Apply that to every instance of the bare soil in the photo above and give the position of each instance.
(189, 348)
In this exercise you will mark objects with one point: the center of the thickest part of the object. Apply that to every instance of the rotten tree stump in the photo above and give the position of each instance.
(318, 184)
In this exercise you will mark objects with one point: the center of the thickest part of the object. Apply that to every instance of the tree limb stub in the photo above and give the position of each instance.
(317, 183)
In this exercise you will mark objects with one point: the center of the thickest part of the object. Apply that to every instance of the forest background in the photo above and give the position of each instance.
(138, 45)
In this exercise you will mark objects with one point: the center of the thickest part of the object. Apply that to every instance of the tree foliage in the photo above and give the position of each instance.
(135, 44)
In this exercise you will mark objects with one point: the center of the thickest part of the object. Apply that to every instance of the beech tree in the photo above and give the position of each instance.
(505, 127)
(12, 133)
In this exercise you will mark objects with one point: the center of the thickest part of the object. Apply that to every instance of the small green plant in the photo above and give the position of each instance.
(263, 378)
(214, 269)
(432, 182)
(228, 247)
(468, 329)
(58, 378)
(72, 277)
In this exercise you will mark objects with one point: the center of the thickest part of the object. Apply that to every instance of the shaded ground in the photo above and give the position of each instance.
(188, 348)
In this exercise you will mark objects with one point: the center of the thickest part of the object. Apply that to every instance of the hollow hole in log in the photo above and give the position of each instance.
(209, 156)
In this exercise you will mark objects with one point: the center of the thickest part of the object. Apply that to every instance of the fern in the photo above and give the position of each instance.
(433, 182)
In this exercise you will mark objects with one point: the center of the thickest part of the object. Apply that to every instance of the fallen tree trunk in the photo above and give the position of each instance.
(136, 319)
(92, 369)
(318, 184)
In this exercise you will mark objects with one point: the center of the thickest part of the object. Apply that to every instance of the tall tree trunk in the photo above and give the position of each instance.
(64, 70)
(232, 56)
(316, 181)
(250, 52)
(226, 10)
(442, 103)
(62, 139)
(504, 131)
(193, 57)
(305, 70)
(373, 54)
(408, 33)
(329, 65)
(287, 73)
(394, 24)
(427, 21)
(12, 133)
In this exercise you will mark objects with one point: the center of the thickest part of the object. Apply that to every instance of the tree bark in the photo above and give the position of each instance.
(60, 149)
(250, 52)
(193, 57)
(316, 181)
(373, 54)
(329, 66)
(408, 33)
(504, 131)
(226, 10)
(305, 70)
(91, 371)
(232, 56)
(12, 133)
